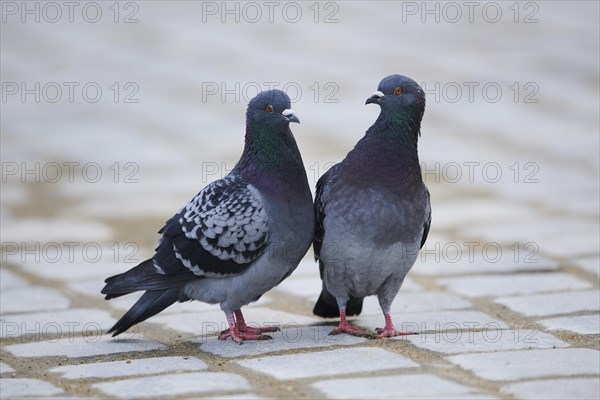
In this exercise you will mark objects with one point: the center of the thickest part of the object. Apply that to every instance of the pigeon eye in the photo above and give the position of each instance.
(269, 108)
(398, 91)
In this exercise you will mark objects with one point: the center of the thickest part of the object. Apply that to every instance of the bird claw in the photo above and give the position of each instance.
(350, 330)
(386, 332)
(239, 337)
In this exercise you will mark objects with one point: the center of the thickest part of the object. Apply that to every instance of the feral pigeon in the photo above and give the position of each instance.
(238, 237)
(372, 210)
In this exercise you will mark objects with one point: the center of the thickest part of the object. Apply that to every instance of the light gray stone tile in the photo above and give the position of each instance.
(434, 321)
(206, 323)
(308, 337)
(50, 326)
(84, 346)
(504, 285)
(555, 389)
(590, 264)
(583, 324)
(454, 258)
(57, 230)
(32, 299)
(553, 303)
(5, 368)
(326, 363)
(25, 387)
(396, 387)
(417, 302)
(174, 385)
(523, 364)
(142, 366)
(9, 280)
(470, 341)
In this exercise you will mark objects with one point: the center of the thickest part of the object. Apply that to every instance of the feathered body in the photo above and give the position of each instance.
(239, 237)
(372, 209)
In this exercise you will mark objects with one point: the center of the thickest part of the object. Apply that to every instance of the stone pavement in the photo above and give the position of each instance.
(505, 296)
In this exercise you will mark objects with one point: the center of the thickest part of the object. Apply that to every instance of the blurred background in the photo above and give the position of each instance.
(114, 114)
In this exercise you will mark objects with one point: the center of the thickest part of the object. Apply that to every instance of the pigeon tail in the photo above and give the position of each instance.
(326, 306)
(151, 303)
(143, 277)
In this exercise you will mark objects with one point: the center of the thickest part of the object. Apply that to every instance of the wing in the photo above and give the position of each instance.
(427, 223)
(321, 198)
(220, 232)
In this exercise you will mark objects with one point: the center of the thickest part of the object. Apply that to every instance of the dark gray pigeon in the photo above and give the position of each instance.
(236, 239)
(372, 210)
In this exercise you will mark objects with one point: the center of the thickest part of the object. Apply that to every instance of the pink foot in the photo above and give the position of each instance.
(389, 330)
(345, 327)
(238, 336)
(242, 327)
(239, 331)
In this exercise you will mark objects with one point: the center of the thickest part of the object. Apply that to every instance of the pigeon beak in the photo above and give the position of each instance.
(375, 98)
(290, 115)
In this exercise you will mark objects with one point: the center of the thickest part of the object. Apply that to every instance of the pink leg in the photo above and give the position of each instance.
(237, 335)
(241, 323)
(344, 327)
(389, 330)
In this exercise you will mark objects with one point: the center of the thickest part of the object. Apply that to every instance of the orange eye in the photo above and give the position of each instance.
(398, 91)
(269, 108)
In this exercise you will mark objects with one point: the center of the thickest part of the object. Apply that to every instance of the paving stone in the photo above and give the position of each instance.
(590, 264)
(174, 385)
(503, 285)
(25, 387)
(143, 366)
(50, 326)
(5, 368)
(455, 214)
(325, 363)
(583, 324)
(561, 236)
(435, 321)
(79, 269)
(417, 302)
(84, 346)
(523, 364)
(492, 340)
(553, 303)
(309, 287)
(32, 299)
(462, 262)
(57, 230)
(559, 389)
(206, 323)
(9, 280)
(397, 387)
(126, 302)
(291, 338)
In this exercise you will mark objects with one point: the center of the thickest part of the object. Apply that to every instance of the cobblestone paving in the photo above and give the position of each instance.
(505, 296)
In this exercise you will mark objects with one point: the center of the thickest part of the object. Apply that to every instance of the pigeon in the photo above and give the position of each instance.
(372, 211)
(238, 237)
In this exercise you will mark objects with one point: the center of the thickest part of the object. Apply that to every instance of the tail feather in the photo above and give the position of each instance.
(142, 277)
(151, 303)
(327, 307)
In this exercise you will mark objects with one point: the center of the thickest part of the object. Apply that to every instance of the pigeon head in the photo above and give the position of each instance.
(270, 109)
(399, 97)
